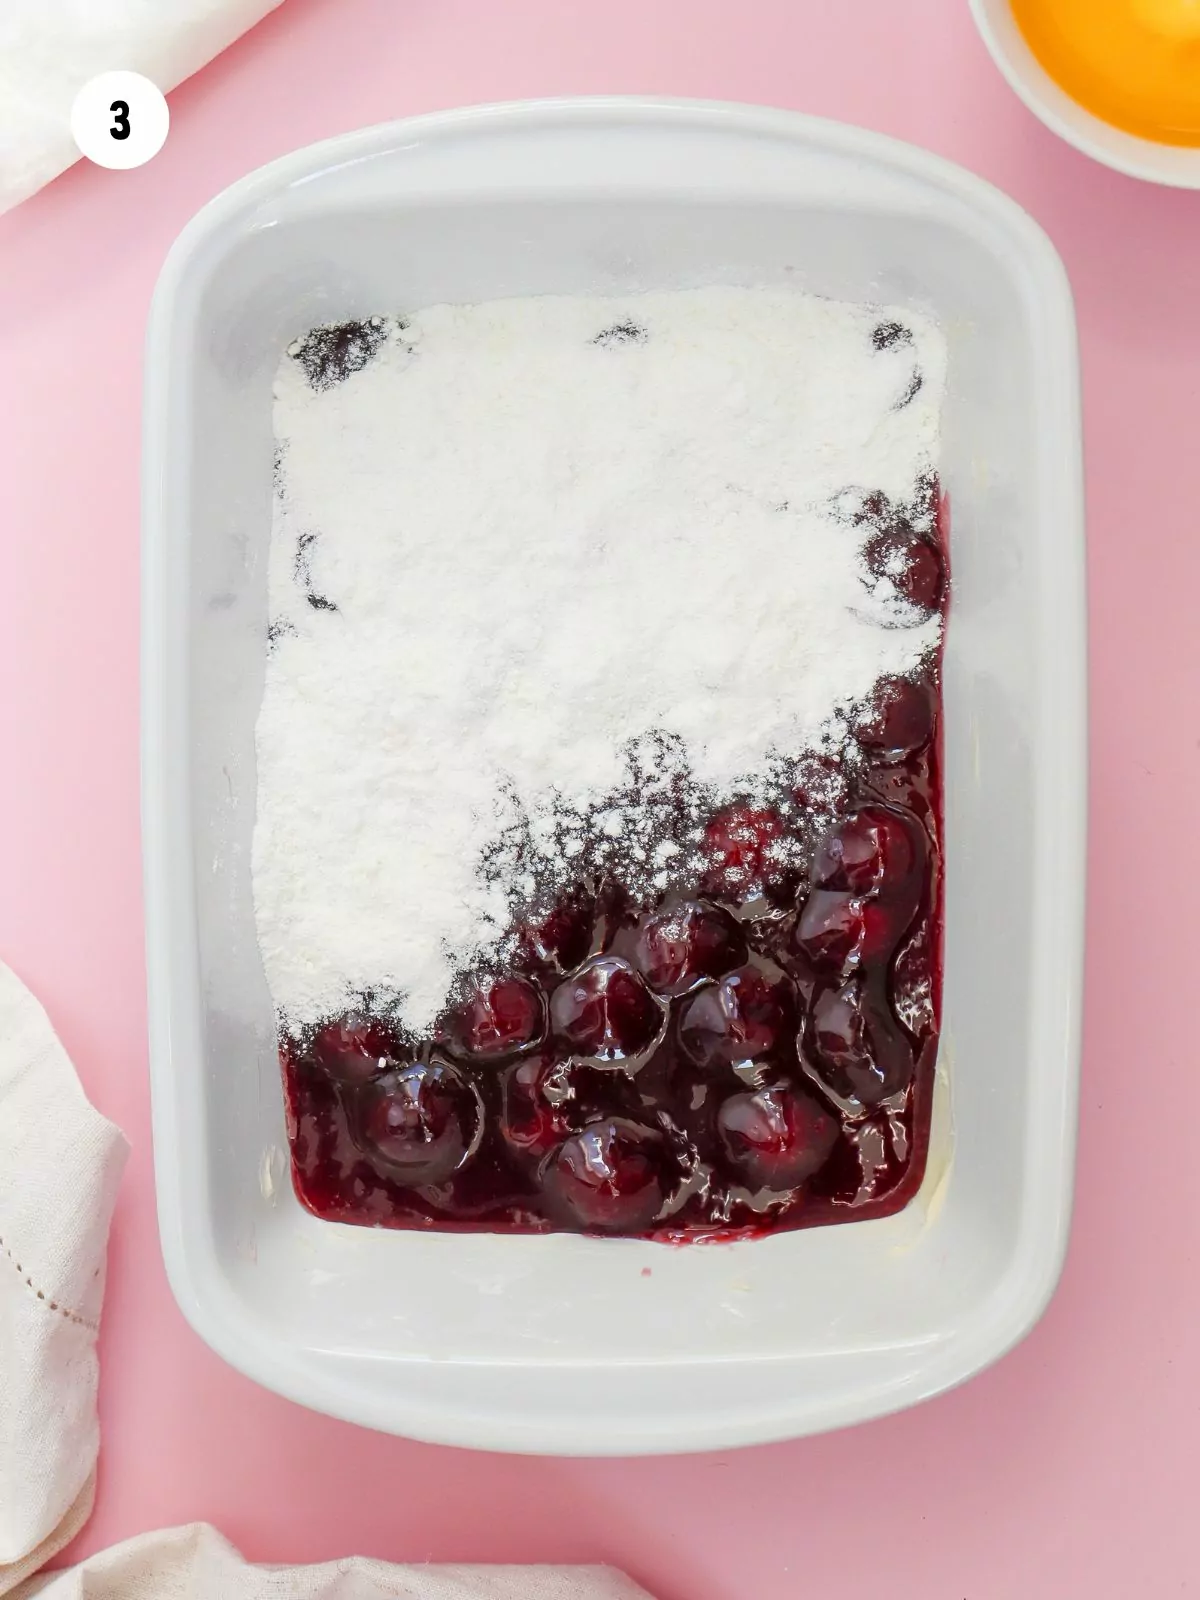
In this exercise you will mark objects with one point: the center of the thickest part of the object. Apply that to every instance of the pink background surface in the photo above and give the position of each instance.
(1066, 1470)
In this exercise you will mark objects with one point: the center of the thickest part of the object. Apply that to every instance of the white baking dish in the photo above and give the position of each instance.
(559, 1343)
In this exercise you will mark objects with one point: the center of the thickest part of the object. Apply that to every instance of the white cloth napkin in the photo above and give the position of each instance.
(197, 1564)
(50, 48)
(60, 1164)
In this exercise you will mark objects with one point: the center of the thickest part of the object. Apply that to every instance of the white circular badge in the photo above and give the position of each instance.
(120, 119)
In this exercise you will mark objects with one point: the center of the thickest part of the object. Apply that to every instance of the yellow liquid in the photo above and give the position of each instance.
(1133, 63)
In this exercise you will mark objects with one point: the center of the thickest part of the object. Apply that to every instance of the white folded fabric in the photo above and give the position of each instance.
(197, 1564)
(50, 48)
(60, 1164)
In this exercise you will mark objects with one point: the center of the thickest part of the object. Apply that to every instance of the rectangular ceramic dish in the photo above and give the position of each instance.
(558, 1343)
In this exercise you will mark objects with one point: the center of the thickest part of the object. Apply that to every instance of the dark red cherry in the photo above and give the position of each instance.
(899, 721)
(817, 781)
(741, 845)
(419, 1123)
(563, 938)
(534, 1106)
(876, 850)
(910, 562)
(610, 1177)
(830, 931)
(740, 1019)
(605, 1011)
(497, 1017)
(776, 1138)
(354, 1048)
(861, 1051)
(923, 577)
(838, 932)
(676, 949)
(876, 510)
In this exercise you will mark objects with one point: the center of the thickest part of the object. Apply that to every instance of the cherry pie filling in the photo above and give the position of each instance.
(753, 1051)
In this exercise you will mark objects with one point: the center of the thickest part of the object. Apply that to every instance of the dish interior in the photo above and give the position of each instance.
(415, 224)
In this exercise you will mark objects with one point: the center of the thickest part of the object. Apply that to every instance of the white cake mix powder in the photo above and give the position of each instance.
(552, 578)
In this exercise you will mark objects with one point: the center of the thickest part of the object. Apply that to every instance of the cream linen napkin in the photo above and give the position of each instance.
(60, 1163)
(196, 1564)
(50, 48)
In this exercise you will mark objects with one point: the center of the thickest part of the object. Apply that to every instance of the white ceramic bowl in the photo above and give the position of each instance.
(564, 1344)
(1176, 165)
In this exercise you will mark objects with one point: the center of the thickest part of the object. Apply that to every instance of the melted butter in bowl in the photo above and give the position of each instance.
(1135, 64)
